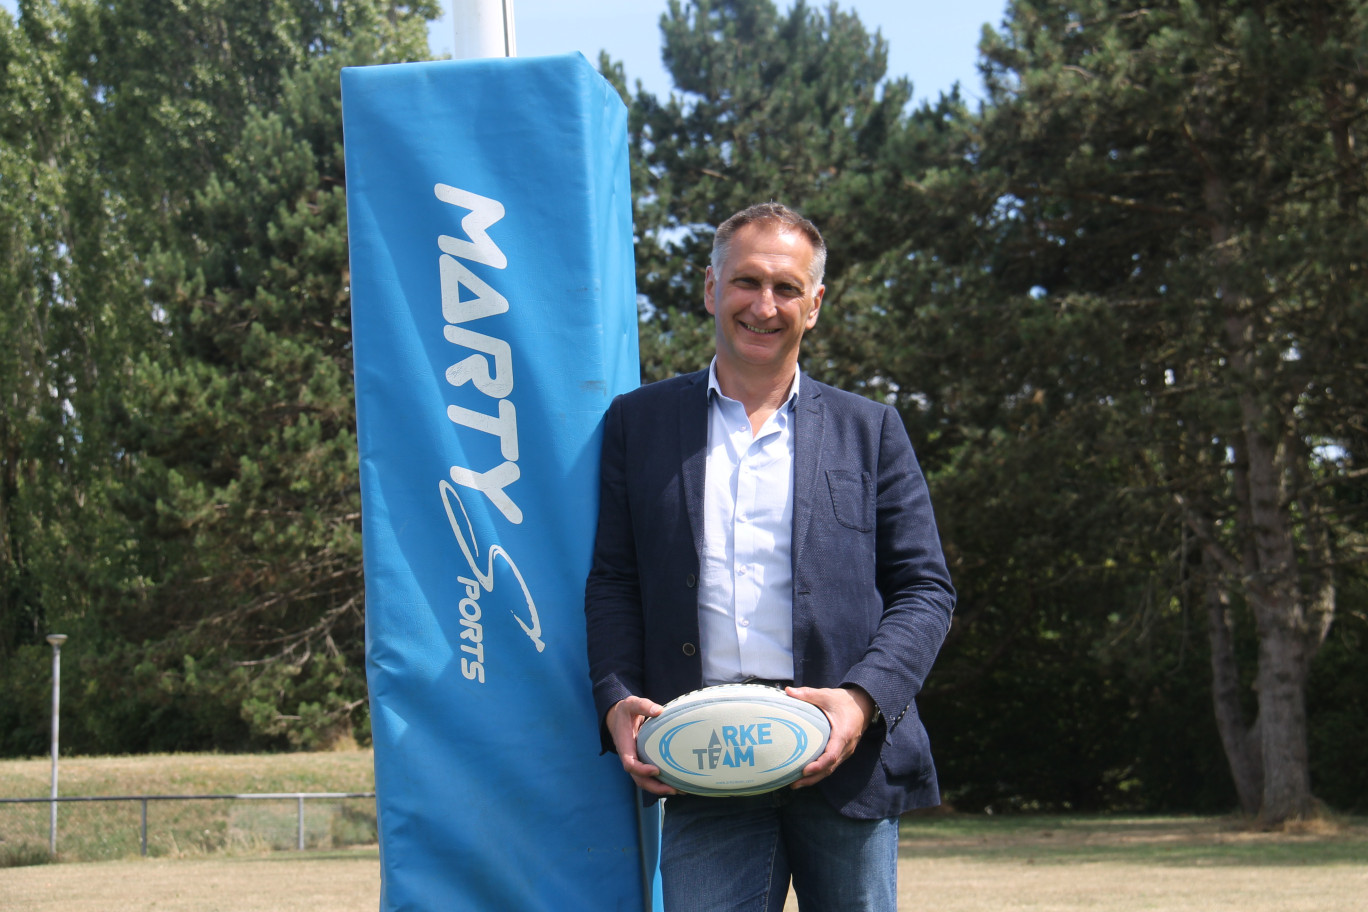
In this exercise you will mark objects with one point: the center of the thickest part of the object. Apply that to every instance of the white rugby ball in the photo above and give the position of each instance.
(733, 739)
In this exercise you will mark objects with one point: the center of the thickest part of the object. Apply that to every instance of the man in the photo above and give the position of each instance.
(757, 525)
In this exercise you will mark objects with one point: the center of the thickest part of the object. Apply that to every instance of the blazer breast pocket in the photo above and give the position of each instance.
(852, 498)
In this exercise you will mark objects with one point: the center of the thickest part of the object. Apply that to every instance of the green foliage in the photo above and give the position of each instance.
(179, 490)
(1338, 706)
(164, 129)
(1188, 174)
(249, 469)
(246, 428)
(71, 320)
(1120, 307)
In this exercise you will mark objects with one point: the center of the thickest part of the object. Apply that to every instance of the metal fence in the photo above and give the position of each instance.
(299, 798)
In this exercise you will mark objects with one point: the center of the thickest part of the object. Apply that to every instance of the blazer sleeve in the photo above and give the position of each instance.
(612, 596)
(911, 577)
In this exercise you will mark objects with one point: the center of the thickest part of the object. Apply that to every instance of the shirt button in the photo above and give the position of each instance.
(691, 581)
(744, 622)
(690, 649)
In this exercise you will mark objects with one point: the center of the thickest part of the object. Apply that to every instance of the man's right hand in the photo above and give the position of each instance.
(624, 720)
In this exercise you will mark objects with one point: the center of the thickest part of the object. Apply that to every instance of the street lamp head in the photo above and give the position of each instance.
(56, 639)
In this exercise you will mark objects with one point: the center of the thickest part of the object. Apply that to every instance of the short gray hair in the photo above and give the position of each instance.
(777, 215)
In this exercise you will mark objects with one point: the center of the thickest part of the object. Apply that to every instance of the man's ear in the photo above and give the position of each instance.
(816, 307)
(709, 290)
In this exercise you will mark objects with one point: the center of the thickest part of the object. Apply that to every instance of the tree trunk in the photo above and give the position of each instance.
(1282, 721)
(1275, 594)
(1241, 743)
(1267, 571)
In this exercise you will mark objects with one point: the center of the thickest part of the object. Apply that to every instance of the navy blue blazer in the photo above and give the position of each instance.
(872, 598)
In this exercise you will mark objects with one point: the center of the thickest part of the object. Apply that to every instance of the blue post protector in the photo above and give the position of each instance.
(494, 318)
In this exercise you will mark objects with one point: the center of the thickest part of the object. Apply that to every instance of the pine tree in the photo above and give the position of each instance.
(247, 486)
(1182, 190)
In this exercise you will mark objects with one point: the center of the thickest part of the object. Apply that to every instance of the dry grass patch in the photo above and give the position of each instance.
(180, 774)
(107, 830)
(340, 881)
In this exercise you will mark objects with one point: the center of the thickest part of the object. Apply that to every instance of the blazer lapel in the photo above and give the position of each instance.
(807, 463)
(693, 440)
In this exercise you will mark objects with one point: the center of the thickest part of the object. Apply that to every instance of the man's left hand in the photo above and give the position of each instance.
(849, 710)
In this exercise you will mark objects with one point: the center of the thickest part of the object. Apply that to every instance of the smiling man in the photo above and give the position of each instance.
(764, 290)
(756, 525)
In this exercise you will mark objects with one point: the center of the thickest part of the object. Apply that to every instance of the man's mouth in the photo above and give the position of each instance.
(756, 329)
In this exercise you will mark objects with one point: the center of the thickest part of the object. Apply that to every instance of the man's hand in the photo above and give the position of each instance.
(624, 721)
(850, 710)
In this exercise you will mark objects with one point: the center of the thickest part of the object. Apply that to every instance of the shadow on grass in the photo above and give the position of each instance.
(23, 855)
(362, 853)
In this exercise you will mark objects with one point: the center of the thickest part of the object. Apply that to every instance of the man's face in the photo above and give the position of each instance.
(763, 299)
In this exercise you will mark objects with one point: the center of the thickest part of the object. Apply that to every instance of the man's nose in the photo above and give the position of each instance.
(764, 304)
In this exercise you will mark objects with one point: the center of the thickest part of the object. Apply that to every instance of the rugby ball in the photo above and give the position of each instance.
(733, 739)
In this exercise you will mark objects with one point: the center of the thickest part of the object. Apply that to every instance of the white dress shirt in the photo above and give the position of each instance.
(745, 599)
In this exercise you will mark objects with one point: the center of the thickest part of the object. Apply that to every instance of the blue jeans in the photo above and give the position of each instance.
(738, 854)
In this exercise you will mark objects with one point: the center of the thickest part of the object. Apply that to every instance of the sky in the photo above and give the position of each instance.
(934, 42)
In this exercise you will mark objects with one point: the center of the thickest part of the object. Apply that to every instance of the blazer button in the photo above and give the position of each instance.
(691, 581)
(690, 649)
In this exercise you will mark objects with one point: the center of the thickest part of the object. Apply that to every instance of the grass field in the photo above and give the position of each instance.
(948, 863)
(977, 864)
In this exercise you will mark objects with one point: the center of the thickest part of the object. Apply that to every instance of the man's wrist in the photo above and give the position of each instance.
(872, 713)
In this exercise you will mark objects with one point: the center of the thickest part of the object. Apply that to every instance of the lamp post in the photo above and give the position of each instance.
(56, 639)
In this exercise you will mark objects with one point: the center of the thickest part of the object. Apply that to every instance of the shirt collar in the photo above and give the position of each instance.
(714, 388)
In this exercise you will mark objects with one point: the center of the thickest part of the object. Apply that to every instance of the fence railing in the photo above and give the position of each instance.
(298, 797)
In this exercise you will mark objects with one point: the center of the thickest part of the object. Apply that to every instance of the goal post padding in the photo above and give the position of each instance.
(494, 318)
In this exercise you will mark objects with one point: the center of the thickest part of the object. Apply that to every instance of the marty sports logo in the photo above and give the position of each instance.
(489, 369)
